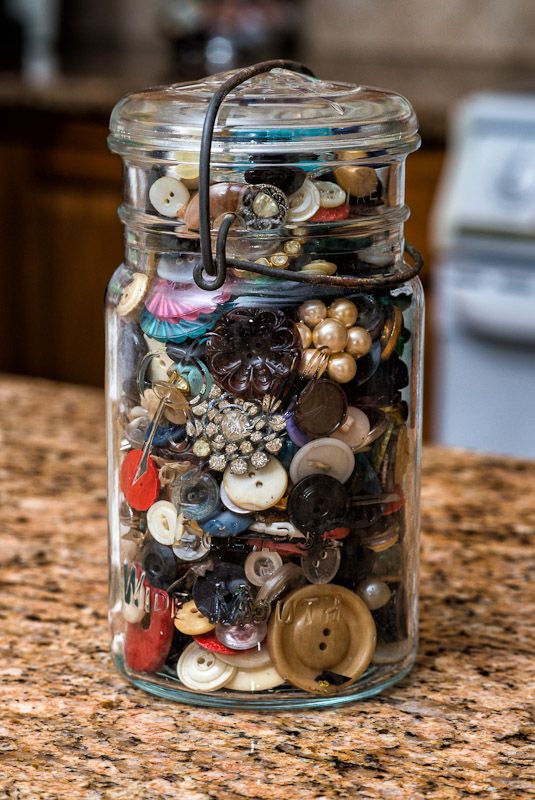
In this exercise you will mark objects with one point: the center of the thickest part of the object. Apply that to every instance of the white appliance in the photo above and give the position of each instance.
(483, 305)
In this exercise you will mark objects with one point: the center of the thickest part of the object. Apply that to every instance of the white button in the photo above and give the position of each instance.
(161, 363)
(304, 203)
(281, 528)
(227, 502)
(261, 565)
(255, 680)
(188, 166)
(133, 294)
(354, 430)
(257, 489)
(323, 457)
(162, 520)
(202, 670)
(248, 659)
(331, 195)
(168, 196)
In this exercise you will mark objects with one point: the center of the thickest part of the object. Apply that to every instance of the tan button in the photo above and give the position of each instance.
(357, 181)
(254, 658)
(133, 294)
(354, 430)
(257, 489)
(319, 635)
(189, 619)
(255, 680)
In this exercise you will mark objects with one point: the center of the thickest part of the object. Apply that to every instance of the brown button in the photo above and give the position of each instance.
(321, 638)
(321, 408)
(391, 332)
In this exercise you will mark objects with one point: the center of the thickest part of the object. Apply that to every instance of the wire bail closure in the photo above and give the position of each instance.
(216, 270)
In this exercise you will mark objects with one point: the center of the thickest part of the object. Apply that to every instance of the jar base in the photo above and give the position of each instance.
(375, 680)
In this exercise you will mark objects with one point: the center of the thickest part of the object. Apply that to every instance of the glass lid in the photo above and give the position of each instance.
(278, 111)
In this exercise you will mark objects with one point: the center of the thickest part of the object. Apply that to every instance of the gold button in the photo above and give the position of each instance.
(319, 635)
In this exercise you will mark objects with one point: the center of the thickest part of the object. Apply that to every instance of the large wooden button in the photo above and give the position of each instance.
(321, 638)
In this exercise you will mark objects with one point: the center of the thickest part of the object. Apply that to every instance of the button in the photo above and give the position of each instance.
(242, 636)
(392, 652)
(317, 504)
(257, 679)
(295, 433)
(188, 619)
(371, 315)
(323, 457)
(322, 564)
(162, 520)
(263, 207)
(203, 671)
(217, 592)
(391, 618)
(196, 494)
(227, 523)
(136, 430)
(168, 196)
(133, 593)
(331, 214)
(147, 643)
(248, 659)
(359, 182)
(144, 492)
(190, 545)
(359, 342)
(188, 165)
(319, 266)
(375, 593)
(253, 352)
(133, 294)
(257, 489)
(331, 194)
(227, 502)
(321, 637)
(261, 565)
(224, 198)
(210, 642)
(277, 528)
(354, 430)
(288, 577)
(321, 408)
(304, 203)
(159, 564)
(391, 332)
(287, 179)
(343, 310)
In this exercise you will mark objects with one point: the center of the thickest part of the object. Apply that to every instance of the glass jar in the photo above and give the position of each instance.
(264, 409)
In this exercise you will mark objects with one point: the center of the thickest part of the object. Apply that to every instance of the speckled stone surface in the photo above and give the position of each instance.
(70, 727)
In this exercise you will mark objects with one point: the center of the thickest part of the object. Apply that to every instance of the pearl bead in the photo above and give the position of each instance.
(312, 312)
(331, 334)
(359, 342)
(313, 363)
(344, 311)
(375, 594)
(342, 367)
(305, 333)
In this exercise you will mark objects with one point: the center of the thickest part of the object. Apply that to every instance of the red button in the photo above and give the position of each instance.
(147, 645)
(144, 492)
(337, 533)
(331, 214)
(210, 642)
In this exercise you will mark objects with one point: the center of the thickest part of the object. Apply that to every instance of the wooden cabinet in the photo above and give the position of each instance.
(60, 240)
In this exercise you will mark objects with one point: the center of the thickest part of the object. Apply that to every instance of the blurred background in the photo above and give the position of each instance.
(468, 68)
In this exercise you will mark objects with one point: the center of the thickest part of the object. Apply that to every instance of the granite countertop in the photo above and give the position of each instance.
(70, 727)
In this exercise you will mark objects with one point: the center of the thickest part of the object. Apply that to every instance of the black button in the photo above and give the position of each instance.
(321, 408)
(391, 620)
(221, 594)
(383, 385)
(158, 562)
(287, 179)
(317, 504)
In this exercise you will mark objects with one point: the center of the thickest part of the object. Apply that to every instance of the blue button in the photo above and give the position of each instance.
(227, 523)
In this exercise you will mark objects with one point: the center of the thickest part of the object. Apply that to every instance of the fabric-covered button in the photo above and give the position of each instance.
(261, 565)
(317, 504)
(159, 563)
(242, 636)
(168, 196)
(257, 489)
(321, 408)
(147, 643)
(257, 679)
(162, 520)
(326, 456)
(354, 430)
(144, 492)
(133, 294)
(321, 637)
(196, 494)
(189, 620)
(227, 523)
(322, 564)
(203, 671)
